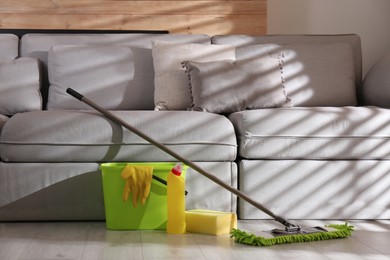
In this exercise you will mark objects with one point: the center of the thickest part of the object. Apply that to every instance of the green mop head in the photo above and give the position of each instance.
(330, 232)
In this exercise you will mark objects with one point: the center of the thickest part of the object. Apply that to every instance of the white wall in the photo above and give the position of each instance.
(368, 18)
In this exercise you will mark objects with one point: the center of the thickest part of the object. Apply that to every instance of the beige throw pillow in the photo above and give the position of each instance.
(230, 86)
(171, 82)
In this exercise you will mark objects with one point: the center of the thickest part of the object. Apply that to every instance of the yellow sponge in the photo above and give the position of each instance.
(210, 222)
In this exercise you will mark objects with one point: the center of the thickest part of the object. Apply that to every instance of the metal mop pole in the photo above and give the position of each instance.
(289, 226)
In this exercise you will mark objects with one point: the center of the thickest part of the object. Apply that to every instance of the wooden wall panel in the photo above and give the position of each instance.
(208, 17)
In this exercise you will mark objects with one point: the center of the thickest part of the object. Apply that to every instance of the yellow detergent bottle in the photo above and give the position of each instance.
(176, 223)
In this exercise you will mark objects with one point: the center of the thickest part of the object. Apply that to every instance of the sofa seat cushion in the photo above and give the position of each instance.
(313, 133)
(87, 136)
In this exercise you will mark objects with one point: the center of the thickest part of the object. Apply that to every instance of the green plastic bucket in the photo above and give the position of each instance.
(122, 215)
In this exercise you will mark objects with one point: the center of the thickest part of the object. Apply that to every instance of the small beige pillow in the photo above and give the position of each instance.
(171, 82)
(230, 86)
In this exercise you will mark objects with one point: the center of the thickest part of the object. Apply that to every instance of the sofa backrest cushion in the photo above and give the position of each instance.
(19, 86)
(296, 42)
(9, 46)
(104, 73)
(38, 45)
(318, 74)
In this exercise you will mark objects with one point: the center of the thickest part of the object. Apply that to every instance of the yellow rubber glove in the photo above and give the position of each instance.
(137, 181)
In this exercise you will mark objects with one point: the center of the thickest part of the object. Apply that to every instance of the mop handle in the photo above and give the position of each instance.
(163, 147)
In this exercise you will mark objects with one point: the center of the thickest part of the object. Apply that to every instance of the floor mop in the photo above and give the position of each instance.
(291, 233)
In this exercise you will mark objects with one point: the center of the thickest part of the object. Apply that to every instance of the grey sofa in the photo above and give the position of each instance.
(317, 154)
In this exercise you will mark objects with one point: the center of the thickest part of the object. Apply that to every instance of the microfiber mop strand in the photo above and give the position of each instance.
(341, 231)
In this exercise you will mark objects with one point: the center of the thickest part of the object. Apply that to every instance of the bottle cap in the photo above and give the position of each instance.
(177, 169)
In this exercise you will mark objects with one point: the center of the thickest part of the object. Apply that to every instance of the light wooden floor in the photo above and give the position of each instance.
(91, 240)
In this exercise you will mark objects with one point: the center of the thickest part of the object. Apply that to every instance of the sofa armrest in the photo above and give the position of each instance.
(20, 86)
(3, 119)
(376, 85)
